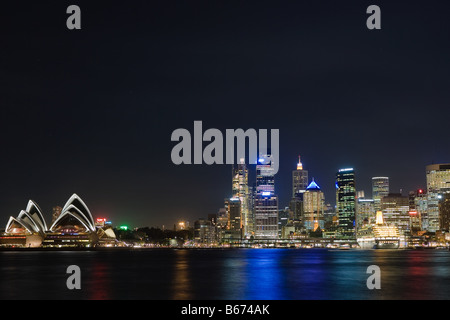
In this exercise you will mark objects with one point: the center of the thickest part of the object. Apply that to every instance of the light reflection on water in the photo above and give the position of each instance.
(240, 274)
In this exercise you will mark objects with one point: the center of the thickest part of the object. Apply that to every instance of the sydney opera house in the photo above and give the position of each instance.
(73, 227)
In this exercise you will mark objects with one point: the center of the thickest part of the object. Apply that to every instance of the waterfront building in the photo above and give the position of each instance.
(438, 184)
(380, 189)
(378, 235)
(346, 201)
(395, 208)
(73, 227)
(26, 230)
(313, 207)
(204, 231)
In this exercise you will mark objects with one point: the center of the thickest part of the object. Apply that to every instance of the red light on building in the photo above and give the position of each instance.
(420, 191)
(413, 213)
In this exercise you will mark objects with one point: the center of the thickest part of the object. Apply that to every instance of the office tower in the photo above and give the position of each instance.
(250, 227)
(444, 209)
(265, 176)
(221, 224)
(283, 219)
(222, 218)
(204, 232)
(266, 202)
(240, 190)
(418, 210)
(438, 184)
(365, 212)
(313, 206)
(233, 207)
(395, 208)
(266, 217)
(299, 179)
(380, 189)
(296, 208)
(345, 201)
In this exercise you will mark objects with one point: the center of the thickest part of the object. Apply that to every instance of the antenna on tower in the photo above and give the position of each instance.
(299, 164)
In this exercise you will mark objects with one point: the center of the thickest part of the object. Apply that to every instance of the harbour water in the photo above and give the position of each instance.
(228, 274)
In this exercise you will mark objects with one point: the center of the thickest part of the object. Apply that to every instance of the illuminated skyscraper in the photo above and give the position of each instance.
(395, 208)
(266, 217)
(299, 179)
(365, 212)
(240, 190)
(418, 210)
(233, 207)
(265, 175)
(265, 202)
(438, 184)
(313, 206)
(346, 201)
(380, 189)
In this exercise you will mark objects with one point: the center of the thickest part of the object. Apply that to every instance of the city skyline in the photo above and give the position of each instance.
(91, 111)
(234, 194)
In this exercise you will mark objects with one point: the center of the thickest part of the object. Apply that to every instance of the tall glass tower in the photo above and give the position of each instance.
(380, 189)
(346, 201)
(266, 202)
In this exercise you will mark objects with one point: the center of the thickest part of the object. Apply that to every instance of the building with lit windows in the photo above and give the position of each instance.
(396, 211)
(380, 189)
(265, 201)
(346, 201)
(444, 209)
(313, 207)
(266, 217)
(438, 184)
(240, 190)
(204, 232)
(418, 210)
(299, 179)
(365, 212)
(234, 213)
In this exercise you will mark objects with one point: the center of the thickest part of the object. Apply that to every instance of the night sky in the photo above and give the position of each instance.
(91, 111)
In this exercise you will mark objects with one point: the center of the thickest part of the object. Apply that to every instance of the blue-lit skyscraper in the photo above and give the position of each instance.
(313, 204)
